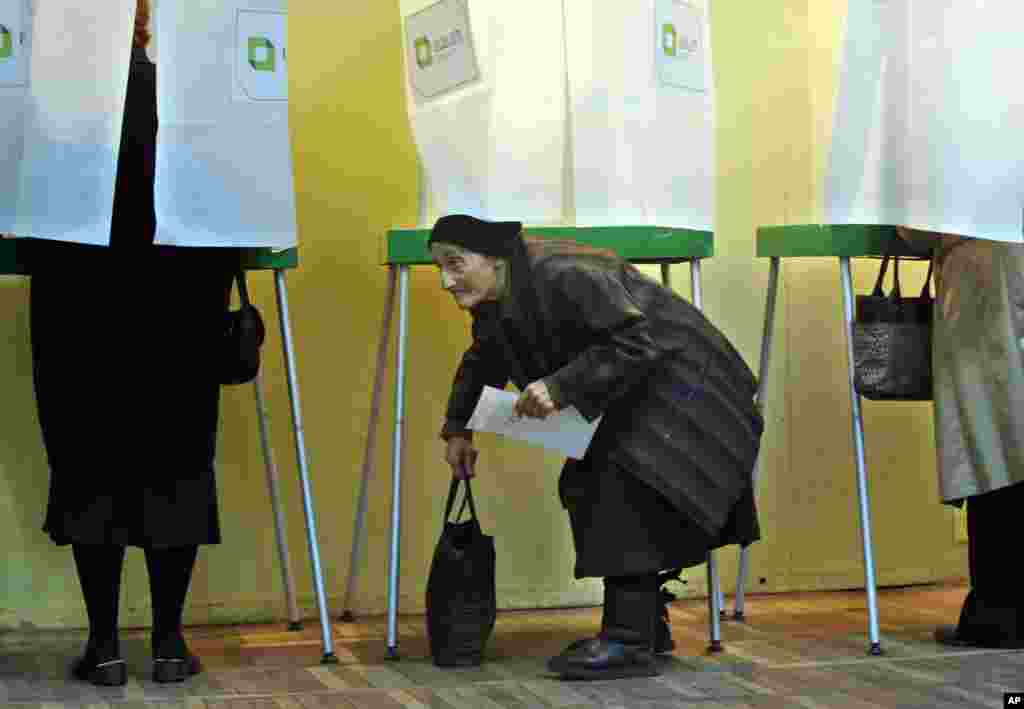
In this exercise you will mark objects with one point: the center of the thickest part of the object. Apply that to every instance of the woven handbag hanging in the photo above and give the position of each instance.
(892, 341)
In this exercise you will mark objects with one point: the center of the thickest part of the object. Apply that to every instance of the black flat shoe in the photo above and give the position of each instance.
(175, 669)
(109, 673)
(601, 659)
(948, 635)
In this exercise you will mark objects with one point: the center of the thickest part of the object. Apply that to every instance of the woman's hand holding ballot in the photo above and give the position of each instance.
(535, 401)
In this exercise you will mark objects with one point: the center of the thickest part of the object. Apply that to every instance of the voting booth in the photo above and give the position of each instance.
(223, 155)
(927, 120)
(584, 120)
(924, 133)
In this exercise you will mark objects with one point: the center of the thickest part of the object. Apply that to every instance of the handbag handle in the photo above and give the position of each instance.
(451, 501)
(896, 294)
(243, 291)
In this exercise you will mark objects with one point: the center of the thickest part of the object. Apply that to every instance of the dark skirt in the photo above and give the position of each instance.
(127, 395)
(621, 526)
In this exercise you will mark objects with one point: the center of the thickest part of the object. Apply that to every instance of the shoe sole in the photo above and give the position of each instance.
(107, 674)
(174, 670)
(610, 673)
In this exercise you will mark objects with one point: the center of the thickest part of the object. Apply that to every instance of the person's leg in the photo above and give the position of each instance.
(99, 574)
(991, 614)
(170, 572)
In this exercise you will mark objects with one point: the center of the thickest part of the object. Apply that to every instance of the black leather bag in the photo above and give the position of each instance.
(243, 336)
(461, 598)
(892, 341)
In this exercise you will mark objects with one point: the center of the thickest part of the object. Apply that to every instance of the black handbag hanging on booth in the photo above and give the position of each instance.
(461, 598)
(243, 336)
(892, 341)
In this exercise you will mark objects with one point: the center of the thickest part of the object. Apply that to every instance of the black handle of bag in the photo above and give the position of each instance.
(452, 491)
(243, 291)
(877, 291)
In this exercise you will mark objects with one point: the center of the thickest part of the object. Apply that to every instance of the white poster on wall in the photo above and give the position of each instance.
(928, 119)
(485, 82)
(224, 169)
(642, 112)
(61, 102)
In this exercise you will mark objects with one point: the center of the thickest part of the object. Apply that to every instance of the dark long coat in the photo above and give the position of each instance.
(668, 474)
(123, 342)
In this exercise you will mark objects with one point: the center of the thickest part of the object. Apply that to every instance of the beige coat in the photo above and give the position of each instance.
(978, 362)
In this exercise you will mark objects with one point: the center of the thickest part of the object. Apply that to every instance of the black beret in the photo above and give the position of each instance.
(498, 239)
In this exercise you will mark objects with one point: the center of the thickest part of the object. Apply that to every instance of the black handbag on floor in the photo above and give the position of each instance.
(242, 338)
(892, 341)
(461, 598)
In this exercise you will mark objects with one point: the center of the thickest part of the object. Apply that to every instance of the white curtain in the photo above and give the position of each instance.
(63, 73)
(641, 104)
(224, 169)
(928, 118)
(487, 105)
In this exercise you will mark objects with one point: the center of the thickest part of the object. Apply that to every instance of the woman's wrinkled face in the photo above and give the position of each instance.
(470, 277)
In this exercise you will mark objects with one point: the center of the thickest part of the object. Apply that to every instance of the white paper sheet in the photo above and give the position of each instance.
(224, 169)
(642, 112)
(565, 431)
(63, 74)
(928, 118)
(493, 146)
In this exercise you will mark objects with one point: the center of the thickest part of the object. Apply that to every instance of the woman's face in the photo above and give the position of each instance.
(470, 277)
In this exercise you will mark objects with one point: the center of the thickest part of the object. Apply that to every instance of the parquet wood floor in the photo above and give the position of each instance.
(804, 650)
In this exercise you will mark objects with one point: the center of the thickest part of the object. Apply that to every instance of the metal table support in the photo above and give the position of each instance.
(845, 242)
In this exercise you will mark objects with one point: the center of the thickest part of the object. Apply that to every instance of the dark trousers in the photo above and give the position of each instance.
(993, 613)
(631, 608)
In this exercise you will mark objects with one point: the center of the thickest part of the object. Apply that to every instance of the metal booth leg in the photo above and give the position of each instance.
(858, 449)
(396, 470)
(358, 536)
(281, 291)
(715, 599)
(762, 404)
(294, 620)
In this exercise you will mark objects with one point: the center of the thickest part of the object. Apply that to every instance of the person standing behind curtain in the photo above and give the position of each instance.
(978, 367)
(127, 398)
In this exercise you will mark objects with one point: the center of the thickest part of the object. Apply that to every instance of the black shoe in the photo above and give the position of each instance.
(176, 669)
(602, 659)
(948, 635)
(103, 673)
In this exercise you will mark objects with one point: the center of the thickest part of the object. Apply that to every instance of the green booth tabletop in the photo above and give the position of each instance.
(843, 240)
(639, 244)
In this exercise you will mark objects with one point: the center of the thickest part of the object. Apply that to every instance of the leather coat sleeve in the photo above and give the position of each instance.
(482, 365)
(619, 351)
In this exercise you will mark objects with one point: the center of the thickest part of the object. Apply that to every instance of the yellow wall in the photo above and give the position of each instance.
(356, 176)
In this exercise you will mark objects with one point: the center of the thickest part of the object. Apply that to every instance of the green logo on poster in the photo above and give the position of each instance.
(6, 43)
(262, 56)
(668, 39)
(424, 54)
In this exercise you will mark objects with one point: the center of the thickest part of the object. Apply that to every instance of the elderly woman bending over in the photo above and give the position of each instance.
(667, 477)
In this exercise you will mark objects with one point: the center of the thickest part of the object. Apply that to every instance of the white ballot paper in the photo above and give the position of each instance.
(565, 431)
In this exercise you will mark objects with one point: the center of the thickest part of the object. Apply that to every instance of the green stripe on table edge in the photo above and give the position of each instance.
(639, 244)
(852, 240)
